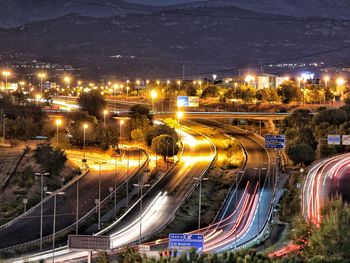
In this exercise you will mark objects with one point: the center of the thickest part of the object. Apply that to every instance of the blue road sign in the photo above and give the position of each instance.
(275, 141)
(182, 101)
(333, 139)
(186, 241)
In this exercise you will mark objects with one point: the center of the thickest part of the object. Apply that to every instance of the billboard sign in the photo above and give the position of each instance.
(333, 139)
(275, 141)
(186, 242)
(92, 243)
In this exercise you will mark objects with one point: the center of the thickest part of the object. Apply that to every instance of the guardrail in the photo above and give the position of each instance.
(68, 229)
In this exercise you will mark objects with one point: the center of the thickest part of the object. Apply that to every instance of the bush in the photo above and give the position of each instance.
(51, 160)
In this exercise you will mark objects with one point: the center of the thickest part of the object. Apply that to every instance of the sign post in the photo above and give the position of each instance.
(186, 242)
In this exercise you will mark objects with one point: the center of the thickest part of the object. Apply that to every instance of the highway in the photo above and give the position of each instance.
(325, 179)
(160, 202)
(17, 233)
(248, 206)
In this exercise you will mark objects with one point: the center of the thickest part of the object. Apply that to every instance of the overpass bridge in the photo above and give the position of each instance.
(266, 117)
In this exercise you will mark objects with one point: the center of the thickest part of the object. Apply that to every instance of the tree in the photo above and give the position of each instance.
(137, 135)
(51, 159)
(102, 258)
(301, 154)
(299, 118)
(165, 146)
(92, 102)
(289, 92)
(137, 111)
(21, 128)
(210, 91)
(157, 130)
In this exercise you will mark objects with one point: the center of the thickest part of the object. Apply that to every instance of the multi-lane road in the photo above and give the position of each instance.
(160, 202)
(26, 228)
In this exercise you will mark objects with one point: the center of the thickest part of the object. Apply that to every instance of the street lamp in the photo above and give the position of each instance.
(138, 87)
(58, 123)
(326, 80)
(105, 112)
(179, 115)
(85, 126)
(99, 194)
(38, 98)
(154, 95)
(200, 199)
(41, 205)
(54, 222)
(41, 76)
(179, 83)
(141, 186)
(6, 74)
(340, 81)
(121, 122)
(67, 80)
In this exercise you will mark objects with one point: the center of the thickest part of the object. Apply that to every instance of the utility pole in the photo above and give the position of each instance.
(200, 199)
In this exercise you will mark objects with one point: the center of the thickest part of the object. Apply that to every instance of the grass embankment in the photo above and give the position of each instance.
(220, 177)
(25, 185)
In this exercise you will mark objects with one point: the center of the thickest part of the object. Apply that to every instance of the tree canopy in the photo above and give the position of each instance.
(92, 102)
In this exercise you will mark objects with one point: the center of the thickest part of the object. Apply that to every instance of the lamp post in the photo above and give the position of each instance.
(200, 199)
(154, 95)
(179, 115)
(115, 186)
(25, 202)
(38, 98)
(179, 83)
(58, 123)
(105, 112)
(121, 122)
(138, 87)
(41, 76)
(99, 194)
(41, 205)
(85, 126)
(54, 222)
(6, 74)
(67, 80)
(141, 186)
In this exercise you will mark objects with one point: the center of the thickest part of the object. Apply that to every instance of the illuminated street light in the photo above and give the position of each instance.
(38, 98)
(340, 81)
(6, 74)
(179, 83)
(154, 95)
(121, 122)
(58, 123)
(41, 76)
(67, 80)
(326, 80)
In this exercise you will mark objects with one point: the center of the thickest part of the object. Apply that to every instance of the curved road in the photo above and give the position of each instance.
(17, 233)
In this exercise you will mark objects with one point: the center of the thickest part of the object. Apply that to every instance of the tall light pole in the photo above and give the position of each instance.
(54, 222)
(41, 76)
(58, 123)
(105, 112)
(121, 122)
(200, 199)
(326, 80)
(154, 95)
(138, 87)
(41, 205)
(99, 194)
(77, 210)
(141, 186)
(115, 186)
(38, 98)
(67, 80)
(85, 126)
(179, 115)
(179, 83)
(115, 87)
(6, 74)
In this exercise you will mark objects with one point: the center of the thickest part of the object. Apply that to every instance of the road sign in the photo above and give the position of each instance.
(275, 141)
(193, 101)
(333, 139)
(186, 241)
(345, 139)
(93, 243)
(182, 101)
(144, 248)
